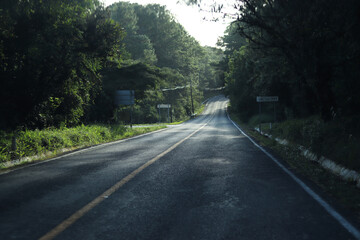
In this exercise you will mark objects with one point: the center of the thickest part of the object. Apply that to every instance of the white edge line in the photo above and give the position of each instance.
(346, 224)
(74, 152)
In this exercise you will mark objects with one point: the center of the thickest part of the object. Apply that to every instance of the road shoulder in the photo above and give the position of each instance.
(343, 196)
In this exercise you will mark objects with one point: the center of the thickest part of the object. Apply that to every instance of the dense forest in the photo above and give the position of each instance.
(308, 54)
(162, 63)
(51, 53)
(61, 62)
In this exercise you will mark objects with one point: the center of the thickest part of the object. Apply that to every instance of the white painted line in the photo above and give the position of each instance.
(346, 224)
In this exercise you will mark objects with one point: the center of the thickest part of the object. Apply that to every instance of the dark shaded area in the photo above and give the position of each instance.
(61, 62)
(305, 52)
(50, 55)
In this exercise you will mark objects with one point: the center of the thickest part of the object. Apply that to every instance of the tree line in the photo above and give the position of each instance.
(62, 60)
(161, 63)
(305, 52)
(51, 54)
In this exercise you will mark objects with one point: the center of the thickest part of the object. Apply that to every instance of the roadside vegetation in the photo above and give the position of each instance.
(328, 139)
(26, 146)
(286, 50)
(346, 193)
(61, 62)
(33, 145)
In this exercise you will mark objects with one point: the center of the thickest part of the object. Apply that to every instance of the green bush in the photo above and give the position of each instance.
(118, 130)
(260, 118)
(5, 146)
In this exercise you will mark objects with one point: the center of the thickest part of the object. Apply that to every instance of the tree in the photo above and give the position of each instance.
(51, 54)
(138, 45)
(315, 41)
(154, 37)
(313, 36)
(232, 40)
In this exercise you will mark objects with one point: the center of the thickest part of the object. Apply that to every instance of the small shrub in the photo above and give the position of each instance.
(56, 141)
(74, 138)
(260, 118)
(118, 130)
(312, 133)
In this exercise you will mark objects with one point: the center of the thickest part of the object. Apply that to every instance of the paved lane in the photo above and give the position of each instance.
(208, 181)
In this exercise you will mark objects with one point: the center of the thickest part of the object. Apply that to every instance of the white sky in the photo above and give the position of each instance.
(206, 32)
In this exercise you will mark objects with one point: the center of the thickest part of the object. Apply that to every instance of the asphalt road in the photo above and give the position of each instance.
(200, 180)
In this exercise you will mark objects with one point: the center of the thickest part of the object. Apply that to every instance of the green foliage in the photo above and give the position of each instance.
(304, 52)
(231, 41)
(329, 139)
(307, 53)
(164, 62)
(211, 72)
(51, 53)
(141, 48)
(61, 62)
(346, 192)
(260, 118)
(36, 142)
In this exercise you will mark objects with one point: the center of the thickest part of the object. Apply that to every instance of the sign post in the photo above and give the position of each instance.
(166, 106)
(125, 97)
(261, 99)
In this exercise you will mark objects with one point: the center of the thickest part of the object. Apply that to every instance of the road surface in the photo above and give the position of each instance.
(200, 180)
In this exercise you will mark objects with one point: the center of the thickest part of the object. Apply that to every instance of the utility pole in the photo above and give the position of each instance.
(191, 96)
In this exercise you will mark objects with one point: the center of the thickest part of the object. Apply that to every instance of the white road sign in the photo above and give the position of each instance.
(267, 99)
(164, 106)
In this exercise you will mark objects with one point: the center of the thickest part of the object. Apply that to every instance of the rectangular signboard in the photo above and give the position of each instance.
(124, 97)
(267, 99)
(164, 106)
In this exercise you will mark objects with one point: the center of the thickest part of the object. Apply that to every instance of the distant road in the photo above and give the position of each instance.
(200, 180)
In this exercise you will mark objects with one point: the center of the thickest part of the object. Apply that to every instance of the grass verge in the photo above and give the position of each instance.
(39, 145)
(43, 144)
(346, 194)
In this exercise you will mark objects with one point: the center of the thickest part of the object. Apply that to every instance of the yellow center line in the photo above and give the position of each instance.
(77, 215)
